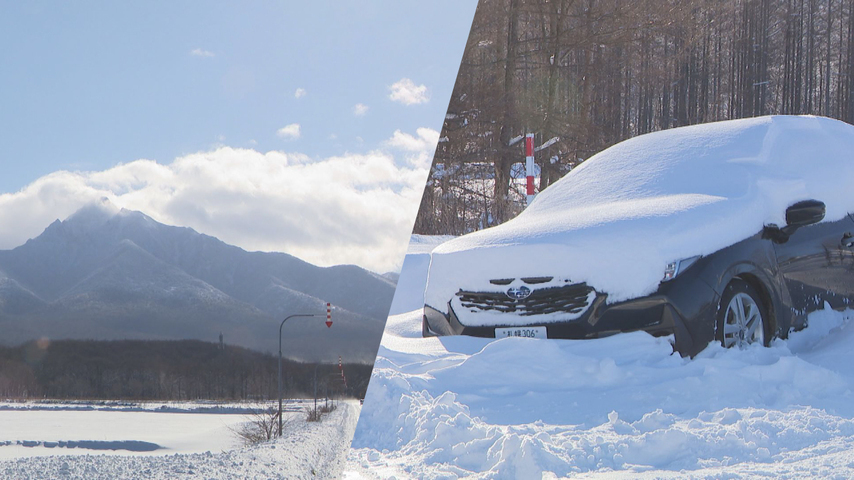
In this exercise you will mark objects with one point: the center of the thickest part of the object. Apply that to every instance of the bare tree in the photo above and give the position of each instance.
(261, 426)
(583, 75)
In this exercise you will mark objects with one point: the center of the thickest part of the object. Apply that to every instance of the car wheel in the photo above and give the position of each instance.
(742, 317)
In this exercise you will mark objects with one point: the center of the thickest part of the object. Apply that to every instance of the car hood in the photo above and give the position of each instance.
(618, 219)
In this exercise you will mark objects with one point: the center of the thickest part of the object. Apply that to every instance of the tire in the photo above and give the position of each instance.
(743, 317)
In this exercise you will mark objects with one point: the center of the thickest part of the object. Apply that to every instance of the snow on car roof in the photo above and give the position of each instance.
(620, 217)
(720, 160)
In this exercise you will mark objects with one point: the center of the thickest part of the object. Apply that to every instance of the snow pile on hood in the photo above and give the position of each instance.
(619, 218)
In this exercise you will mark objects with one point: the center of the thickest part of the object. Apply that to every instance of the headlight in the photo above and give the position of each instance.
(675, 268)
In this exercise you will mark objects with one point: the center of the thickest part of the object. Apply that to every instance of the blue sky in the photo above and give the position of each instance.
(86, 87)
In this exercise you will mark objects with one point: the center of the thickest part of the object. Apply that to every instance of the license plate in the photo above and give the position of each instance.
(524, 332)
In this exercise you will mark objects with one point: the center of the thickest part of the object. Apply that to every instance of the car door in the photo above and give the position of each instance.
(817, 264)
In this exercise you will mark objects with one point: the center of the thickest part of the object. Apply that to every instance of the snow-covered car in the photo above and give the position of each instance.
(730, 231)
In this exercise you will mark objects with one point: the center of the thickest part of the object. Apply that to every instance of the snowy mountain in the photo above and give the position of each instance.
(106, 273)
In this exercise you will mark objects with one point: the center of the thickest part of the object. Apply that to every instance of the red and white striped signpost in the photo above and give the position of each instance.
(529, 165)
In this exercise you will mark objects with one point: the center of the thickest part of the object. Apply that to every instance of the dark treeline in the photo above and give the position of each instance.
(583, 75)
(162, 370)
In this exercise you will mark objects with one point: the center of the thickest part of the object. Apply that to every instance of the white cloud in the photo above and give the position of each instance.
(427, 137)
(406, 92)
(344, 209)
(289, 132)
(360, 109)
(299, 93)
(198, 52)
(420, 146)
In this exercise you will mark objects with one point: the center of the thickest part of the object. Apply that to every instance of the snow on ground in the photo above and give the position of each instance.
(307, 450)
(73, 432)
(616, 407)
(37, 428)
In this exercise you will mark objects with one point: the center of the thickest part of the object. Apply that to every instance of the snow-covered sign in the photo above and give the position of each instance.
(548, 144)
(515, 140)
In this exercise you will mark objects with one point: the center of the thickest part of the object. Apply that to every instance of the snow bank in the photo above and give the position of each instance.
(619, 218)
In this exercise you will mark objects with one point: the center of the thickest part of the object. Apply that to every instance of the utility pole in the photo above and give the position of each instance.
(328, 324)
(315, 391)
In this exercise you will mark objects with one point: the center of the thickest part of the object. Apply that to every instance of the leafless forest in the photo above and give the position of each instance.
(163, 370)
(585, 74)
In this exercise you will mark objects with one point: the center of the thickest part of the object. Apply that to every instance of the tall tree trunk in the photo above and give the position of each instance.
(507, 157)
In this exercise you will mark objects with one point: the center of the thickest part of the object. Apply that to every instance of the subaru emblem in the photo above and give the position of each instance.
(520, 293)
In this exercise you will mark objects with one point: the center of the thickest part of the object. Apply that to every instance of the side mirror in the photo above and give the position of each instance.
(804, 213)
(798, 215)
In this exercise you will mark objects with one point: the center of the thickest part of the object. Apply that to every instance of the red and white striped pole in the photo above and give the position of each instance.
(328, 315)
(529, 165)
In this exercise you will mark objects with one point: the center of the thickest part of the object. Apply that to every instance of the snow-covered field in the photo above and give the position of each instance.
(617, 407)
(166, 440)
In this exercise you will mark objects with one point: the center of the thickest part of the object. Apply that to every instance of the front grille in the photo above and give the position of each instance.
(535, 280)
(528, 280)
(571, 299)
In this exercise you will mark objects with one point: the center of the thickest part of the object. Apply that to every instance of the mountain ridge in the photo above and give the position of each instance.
(103, 264)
